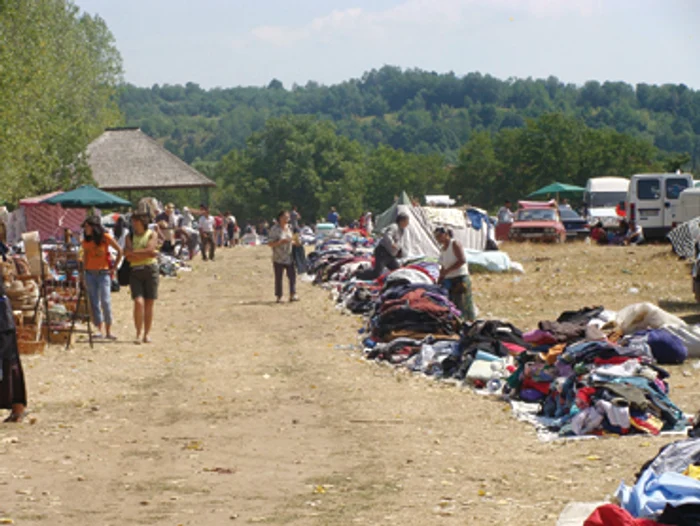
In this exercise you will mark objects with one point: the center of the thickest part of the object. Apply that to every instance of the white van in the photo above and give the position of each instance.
(689, 205)
(602, 196)
(652, 201)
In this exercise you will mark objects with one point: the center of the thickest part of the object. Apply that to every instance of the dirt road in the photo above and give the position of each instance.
(243, 412)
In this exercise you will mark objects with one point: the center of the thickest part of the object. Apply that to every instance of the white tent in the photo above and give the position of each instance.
(471, 228)
(418, 240)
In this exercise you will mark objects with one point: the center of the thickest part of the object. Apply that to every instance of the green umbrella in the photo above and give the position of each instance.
(87, 197)
(558, 188)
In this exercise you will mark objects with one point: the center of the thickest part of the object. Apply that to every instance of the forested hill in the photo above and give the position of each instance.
(413, 110)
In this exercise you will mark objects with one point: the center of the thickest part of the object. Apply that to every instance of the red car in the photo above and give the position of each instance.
(538, 221)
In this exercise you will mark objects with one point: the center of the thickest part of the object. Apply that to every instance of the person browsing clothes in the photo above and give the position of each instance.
(454, 273)
(390, 248)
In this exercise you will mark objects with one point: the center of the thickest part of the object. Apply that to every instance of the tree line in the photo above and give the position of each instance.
(307, 162)
(413, 110)
(59, 71)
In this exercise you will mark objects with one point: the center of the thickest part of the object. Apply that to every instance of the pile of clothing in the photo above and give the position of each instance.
(169, 265)
(590, 372)
(667, 490)
(591, 376)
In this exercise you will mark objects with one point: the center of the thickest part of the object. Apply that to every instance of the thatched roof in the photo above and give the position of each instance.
(128, 159)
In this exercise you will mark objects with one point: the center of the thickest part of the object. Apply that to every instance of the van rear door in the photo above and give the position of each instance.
(650, 202)
(674, 187)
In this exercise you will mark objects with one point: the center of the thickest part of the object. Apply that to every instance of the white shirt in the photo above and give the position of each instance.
(505, 215)
(206, 224)
(448, 258)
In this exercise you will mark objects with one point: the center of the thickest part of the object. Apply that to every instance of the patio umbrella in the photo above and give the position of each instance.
(87, 197)
(558, 188)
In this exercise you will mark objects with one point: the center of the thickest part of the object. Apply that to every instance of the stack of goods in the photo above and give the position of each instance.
(336, 264)
(23, 291)
(590, 378)
(667, 491)
(169, 265)
(414, 310)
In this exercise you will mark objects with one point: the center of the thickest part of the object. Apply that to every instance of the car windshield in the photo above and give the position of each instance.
(568, 213)
(606, 199)
(537, 214)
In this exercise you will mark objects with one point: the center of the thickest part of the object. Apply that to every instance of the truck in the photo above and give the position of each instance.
(602, 197)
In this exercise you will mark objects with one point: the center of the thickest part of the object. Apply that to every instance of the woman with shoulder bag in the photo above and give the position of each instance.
(98, 273)
(142, 255)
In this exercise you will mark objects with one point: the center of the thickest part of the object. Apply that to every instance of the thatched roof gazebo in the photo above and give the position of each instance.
(126, 159)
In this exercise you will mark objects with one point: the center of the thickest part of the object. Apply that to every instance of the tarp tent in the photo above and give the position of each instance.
(50, 221)
(472, 228)
(419, 239)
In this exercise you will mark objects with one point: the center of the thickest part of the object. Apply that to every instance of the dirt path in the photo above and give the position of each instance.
(244, 412)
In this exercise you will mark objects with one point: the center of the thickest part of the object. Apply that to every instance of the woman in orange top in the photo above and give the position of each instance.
(98, 273)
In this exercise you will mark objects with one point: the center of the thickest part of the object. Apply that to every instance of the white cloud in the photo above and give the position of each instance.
(435, 14)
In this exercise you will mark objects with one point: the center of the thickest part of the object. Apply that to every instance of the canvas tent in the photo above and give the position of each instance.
(50, 221)
(419, 240)
(127, 159)
(472, 228)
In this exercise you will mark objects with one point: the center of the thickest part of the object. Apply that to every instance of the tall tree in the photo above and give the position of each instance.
(59, 71)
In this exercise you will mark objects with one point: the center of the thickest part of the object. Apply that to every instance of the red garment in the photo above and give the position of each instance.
(513, 348)
(416, 300)
(611, 515)
(218, 222)
(583, 396)
(542, 387)
(598, 233)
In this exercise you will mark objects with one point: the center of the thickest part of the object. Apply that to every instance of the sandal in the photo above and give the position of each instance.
(293, 299)
(97, 336)
(147, 339)
(111, 337)
(15, 418)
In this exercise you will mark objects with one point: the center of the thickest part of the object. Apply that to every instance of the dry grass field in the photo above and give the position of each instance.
(243, 412)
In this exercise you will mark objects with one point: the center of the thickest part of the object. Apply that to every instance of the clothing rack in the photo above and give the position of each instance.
(62, 277)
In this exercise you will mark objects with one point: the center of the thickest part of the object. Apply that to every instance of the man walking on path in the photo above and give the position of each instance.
(206, 234)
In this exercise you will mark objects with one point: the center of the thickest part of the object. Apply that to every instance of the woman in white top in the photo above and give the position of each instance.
(454, 273)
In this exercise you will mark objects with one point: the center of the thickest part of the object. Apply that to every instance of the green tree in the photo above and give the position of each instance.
(58, 75)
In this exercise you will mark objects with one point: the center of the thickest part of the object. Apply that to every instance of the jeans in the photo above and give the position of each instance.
(291, 275)
(99, 290)
(208, 246)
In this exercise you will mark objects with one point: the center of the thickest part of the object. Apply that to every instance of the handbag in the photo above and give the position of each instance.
(124, 273)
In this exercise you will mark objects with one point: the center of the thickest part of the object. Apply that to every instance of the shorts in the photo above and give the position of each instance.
(144, 282)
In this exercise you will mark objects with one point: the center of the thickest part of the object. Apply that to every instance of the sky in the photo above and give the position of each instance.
(226, 43)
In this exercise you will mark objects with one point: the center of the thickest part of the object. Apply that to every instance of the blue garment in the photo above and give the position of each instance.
(99, 289)
(333, 218)
(475, 218)
(652, 492)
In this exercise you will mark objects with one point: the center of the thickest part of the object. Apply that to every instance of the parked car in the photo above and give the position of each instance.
(575, 225)
(538, 221)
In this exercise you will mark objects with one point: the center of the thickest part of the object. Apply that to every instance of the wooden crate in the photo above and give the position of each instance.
(57, 337)
(28, 347)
